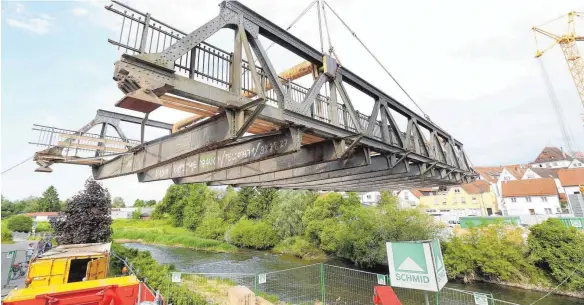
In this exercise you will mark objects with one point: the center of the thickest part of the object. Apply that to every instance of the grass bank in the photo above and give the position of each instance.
(160, 232)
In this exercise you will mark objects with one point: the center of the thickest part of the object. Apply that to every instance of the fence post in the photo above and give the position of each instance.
(322, 286)
(255, 283)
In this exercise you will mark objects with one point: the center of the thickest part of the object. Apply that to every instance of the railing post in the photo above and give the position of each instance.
(192, 63)
(322, 284)
(145, 33)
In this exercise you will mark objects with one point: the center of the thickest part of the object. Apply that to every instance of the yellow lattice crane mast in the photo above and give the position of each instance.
(569, 47)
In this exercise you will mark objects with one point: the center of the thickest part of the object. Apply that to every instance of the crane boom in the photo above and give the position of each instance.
(570, 49)
(575, 65)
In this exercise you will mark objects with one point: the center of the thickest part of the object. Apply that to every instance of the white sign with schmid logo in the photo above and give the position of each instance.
(416, 265)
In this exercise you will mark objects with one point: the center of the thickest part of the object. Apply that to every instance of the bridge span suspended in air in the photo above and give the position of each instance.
(251, 126)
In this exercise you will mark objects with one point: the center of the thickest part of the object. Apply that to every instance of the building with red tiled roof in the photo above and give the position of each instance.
(572, 180)
(489, 173)
(530, 197)
(42, 216)
(552, 157)
(571, 177)
(411, 198)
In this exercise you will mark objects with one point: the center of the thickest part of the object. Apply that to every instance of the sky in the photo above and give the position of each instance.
(470, 67)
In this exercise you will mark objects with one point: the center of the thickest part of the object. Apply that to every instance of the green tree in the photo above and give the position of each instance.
(7, 208)
(139, 203)
(232, 205)
(150, 203)
(20, 223)
(49, 201)
(118, 202)
(26, 205)
(198, 197)
(173, 204)
(287, 212)
(324, 213)
(246, 195)
(559, 251)
(260, 205)
(87, 217)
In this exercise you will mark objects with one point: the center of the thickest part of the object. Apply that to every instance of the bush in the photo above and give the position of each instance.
(6, 233)
(496, 253)
(299, 247)
(212, 227)
(247, 233)
(43, 227)
(558, 250)
(20, 223)
(136, 213)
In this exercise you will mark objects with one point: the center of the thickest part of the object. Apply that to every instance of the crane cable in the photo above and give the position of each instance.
(566, 133)
(561, 283)
(377, 60)
(15, 166)
(295, 20)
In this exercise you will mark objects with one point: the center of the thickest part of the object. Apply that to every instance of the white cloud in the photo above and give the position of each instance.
(79, 11)
(35, 23)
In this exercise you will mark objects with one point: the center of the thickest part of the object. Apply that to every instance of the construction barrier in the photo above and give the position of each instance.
(8, 260)
(316, 284)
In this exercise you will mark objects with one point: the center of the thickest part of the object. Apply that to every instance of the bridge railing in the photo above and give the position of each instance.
(74, 143)
(212, 65)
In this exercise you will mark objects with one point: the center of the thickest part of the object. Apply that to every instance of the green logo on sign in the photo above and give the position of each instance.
(409, 257)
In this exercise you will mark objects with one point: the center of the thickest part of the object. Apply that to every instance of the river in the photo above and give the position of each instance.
(253, 261)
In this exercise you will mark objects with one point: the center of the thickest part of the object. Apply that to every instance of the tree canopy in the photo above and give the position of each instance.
(87, 217)
(49, 201)
(118, 202)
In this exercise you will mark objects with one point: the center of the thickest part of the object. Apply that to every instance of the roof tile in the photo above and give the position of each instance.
(571, 177)
(529, 187)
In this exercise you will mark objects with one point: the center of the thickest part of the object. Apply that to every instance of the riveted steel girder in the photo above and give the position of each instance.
(216, 131)
(322, 156)
(239, 153)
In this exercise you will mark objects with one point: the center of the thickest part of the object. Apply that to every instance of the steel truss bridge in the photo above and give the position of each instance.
(251, 126)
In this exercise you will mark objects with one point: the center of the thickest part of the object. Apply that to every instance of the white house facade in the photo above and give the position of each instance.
(531, 197)
(370, 198)
(409, 198)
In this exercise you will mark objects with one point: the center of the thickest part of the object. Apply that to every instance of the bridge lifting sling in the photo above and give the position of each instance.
(312, 142)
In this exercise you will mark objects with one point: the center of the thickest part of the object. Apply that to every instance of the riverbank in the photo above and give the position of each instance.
(248, 261)
(530, 287)
(159, 232)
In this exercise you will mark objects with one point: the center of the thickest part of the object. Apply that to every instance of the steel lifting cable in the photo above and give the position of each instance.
(295, 20)
(377, 60)
(566, 132)
(22, 162)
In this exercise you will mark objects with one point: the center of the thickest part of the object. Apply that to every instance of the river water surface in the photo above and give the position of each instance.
(253, 261)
